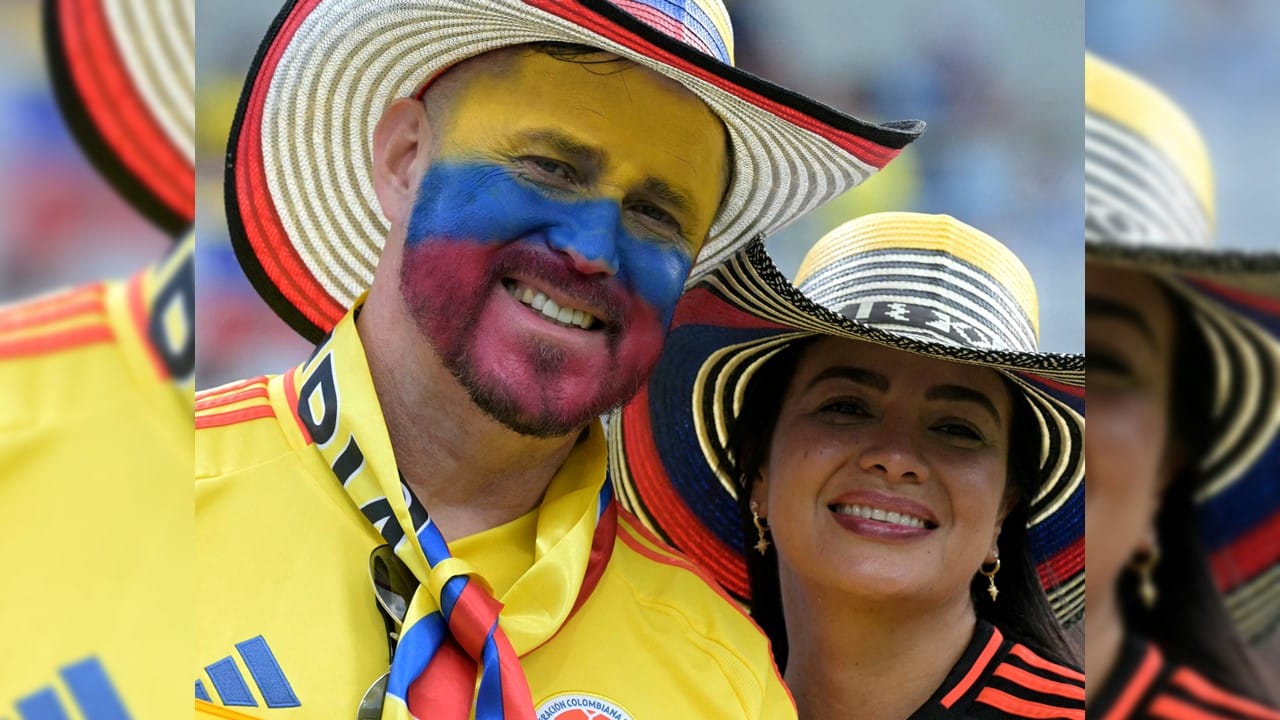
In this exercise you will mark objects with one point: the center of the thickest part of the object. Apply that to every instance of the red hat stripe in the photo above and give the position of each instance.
(280, 260)
(1250, 554)
(683, 529)
(120, 113)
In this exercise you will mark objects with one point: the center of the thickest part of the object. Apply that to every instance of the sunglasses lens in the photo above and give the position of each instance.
(371, 704)
(392, 582)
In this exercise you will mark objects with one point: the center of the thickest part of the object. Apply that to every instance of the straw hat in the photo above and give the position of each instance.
(926, 284)
(1149, 205)
(303, 216)
(124, 75)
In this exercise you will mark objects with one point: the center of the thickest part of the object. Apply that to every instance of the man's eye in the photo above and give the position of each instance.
(657, 220)
(550, 171)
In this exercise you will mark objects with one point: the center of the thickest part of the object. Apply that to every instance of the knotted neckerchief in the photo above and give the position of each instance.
(451, 631)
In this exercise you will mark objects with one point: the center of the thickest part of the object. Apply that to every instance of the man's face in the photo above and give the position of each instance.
(554, 229)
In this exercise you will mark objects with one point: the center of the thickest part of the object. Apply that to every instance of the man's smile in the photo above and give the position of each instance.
(566, 312)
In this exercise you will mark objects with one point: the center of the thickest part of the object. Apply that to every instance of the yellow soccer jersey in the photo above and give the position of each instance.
(608, 624)
(95, 446)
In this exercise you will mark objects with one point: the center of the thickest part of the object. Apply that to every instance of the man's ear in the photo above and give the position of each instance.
(401, 153)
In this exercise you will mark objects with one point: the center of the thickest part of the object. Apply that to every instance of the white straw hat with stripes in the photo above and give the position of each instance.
(1149, 206)
(926, 284)
(124, 75)
(303, 216)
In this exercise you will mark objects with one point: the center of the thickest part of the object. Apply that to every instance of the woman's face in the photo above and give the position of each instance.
(1129, 336)
(886, 473)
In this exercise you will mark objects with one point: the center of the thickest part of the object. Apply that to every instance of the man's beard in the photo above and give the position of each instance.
(446, 287)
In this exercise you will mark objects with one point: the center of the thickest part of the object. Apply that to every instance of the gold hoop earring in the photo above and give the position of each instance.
(1144, 564)
(762, 543)
(990, 575)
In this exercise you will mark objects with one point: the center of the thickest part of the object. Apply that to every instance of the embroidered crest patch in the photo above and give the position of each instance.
(580, 706)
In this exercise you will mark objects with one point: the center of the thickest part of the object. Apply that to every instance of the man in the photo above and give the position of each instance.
(95, 423)
(433, 478)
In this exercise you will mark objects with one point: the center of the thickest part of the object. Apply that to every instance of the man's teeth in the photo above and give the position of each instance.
(538, 301)
(881, 515)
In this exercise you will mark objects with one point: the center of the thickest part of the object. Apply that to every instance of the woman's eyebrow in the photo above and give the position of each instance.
(960, 393)
(1099, 307)
(858, 375)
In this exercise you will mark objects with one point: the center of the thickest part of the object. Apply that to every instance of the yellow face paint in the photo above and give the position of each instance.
(595, 130)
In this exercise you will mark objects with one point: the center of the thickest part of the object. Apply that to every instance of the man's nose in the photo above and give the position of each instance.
(590, 235)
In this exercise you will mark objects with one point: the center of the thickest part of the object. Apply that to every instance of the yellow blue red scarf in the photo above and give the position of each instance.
(458, 647)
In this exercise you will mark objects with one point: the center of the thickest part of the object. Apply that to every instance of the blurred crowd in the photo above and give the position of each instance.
(60, 224)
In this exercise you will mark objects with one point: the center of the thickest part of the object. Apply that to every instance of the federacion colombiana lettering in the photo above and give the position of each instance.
(578, 706)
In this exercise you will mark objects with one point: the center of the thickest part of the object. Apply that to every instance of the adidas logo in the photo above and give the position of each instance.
(91, 691)
(228, 681)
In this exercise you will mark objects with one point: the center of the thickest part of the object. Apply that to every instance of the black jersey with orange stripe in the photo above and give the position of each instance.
(999, 678)
(1144, 684)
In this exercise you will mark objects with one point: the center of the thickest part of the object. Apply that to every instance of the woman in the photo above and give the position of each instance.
(1184, 495)
(888, 453)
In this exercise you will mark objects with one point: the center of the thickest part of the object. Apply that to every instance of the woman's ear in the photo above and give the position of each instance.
(401, 153)
(1007, 503)
(759, 500)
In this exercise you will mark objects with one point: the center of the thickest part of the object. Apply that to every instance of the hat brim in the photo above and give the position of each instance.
(669, 446)
(303, 217)
(124, 77)
(1234, 296)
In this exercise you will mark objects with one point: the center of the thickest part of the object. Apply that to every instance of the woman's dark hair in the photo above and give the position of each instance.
(1023, 613)
(1189, 621)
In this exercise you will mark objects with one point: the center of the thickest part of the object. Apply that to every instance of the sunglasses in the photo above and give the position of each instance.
(393, 586)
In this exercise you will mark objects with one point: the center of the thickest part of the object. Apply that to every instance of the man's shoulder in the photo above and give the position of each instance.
(60, 320)
(241, 425)
(659, 576)
(652, 591)
(58, 351)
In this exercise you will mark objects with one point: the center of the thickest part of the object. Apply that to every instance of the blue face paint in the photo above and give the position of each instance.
(487, 203)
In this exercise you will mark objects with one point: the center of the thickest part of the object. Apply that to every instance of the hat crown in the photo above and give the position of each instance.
(1148, 180)
(701, 24)
(928, 277)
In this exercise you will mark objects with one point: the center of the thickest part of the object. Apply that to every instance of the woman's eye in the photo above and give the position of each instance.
(844, 407)
(959, 430)
(1107, 371)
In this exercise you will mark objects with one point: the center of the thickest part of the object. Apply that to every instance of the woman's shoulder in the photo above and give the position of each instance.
(1144, 683)
(1186, 691)
(999, 677)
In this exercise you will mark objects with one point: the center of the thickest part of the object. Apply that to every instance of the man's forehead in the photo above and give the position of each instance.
(530, 63)
(646, 124)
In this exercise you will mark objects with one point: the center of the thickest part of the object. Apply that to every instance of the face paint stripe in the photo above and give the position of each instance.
(483, 203)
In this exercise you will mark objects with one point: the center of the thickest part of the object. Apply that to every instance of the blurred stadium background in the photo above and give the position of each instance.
(1219, 60)
(60, 223)
(998, 81)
